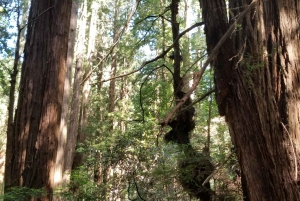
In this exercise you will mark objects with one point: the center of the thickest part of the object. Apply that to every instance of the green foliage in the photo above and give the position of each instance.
(4, 76)
(130, 159)
(124, 152)
(8, 29)
(81, 187)
(22, 193)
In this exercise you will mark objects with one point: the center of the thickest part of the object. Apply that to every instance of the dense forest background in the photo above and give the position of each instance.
(128, 65)
(120, 141)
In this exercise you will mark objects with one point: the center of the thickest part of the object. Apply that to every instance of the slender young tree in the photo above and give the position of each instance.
(85, 56)
(74, 115)
(36, 126)
(257, 90)
(13, 82)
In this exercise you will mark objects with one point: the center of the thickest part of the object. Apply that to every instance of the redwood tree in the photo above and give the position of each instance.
(36, 126)
(257, 82)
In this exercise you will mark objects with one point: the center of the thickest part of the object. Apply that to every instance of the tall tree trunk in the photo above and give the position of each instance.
(73, 128)
(78, 157)
(207, 144)
(195, 167)
(36, 129)
(113, 69)
(177, 85)
(60, 179)
(21, 20)
(83, 120)
(257, 78)
(11, 104)
(93, 29)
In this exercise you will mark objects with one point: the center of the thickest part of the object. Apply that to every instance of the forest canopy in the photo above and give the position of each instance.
(149, 100)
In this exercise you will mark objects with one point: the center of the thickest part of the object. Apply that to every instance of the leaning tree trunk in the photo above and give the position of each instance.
(36, 126)
(257, 78)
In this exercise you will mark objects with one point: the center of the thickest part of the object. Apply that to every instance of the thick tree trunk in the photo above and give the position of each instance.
(257, 75)
(38, 113)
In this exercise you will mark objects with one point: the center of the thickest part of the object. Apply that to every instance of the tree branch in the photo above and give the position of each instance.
(212, 55)
(35, 19)
(219, 167)
(155, 16)
(201, 98)
(141, 102)
(157, 57)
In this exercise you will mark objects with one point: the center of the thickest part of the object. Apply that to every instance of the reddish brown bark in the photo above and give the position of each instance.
(257, 79)
(62, 174)
(38, 113)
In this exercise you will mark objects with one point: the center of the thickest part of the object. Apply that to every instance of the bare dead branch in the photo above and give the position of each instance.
(193, 103)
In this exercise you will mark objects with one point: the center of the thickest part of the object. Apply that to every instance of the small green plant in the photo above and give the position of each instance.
(22, 193)
(81, 187)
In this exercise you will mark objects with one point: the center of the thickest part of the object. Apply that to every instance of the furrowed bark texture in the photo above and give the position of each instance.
(38, 113)
(61, 177)
(260, 101)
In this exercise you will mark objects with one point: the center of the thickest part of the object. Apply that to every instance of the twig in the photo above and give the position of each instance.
(195, 102)
(36, 18)
(147, 31)
(155, 16)
(200, 99)
(216, 170)
(212, 55)
(194, 63)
